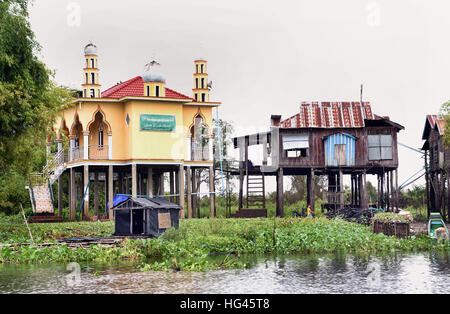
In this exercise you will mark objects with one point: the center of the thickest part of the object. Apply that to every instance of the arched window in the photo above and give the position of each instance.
(93, 78)
(157, 91)
(203, 83)
(203, 97)
(92, 63)
(196, 83)
(202, 68)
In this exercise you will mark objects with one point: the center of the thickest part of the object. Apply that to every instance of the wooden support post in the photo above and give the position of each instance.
(357, 191)
(312, 190)
(161, 184)
(211, 191)
(181, 189)
(177, 185)
(194, 191)
(448, 199)
(72, 195)
(383, 202)
(149, 182)
(106, 193)
(388, 191)
(352, 191)
(134, 180)
(172, 185)
(120, 183)
(365, 204)
(378, 191)
(396, 191)
(341, 189)
(280, 204)
(241, 187)
(139, 184)
(189, 191)
(85, 192)
(60, 195)
(96, 193)
(331, 199)
(427, 182)
(111, 191)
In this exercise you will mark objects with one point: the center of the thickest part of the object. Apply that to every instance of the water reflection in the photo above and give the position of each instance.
(338, 273)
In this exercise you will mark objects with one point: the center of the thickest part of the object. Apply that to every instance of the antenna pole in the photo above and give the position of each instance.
(362, 87)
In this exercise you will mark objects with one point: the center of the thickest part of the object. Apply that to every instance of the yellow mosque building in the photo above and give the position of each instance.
(129, 137)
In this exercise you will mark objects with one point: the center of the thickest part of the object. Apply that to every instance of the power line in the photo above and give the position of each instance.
(412, 148)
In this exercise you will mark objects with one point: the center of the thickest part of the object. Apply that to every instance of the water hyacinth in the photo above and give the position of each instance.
(207, 244)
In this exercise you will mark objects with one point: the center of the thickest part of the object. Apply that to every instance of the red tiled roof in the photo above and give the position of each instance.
(330, 115)
(135, 88)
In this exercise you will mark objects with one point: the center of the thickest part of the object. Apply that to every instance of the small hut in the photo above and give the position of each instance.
(145, 217)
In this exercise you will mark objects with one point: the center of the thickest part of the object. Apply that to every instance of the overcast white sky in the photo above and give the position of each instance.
(265, 57)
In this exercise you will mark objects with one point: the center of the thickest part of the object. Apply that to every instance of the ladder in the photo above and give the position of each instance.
(256, 191)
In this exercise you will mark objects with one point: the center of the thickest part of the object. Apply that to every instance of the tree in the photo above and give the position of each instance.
(299, 188)
(29, 102)
(445, 115)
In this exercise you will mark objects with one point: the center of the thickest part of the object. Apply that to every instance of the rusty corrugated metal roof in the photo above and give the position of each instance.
(330, 115)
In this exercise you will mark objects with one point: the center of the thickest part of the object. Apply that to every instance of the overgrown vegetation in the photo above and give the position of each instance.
(29, 103)
(207, 244)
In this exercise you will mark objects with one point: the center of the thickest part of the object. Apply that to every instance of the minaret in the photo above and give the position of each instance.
(201, 90)
(154, 82)
(91, 86)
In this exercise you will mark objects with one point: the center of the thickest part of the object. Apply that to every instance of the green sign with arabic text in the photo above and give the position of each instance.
(158, 123)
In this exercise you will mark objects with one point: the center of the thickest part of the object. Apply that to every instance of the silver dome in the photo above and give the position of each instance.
(90, 49)
(152, 73)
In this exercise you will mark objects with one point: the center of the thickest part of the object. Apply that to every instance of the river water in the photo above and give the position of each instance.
(299, 274)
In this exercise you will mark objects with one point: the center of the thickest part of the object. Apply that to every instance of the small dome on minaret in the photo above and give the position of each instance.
(152, 73)
(90, 49)
(154, 82)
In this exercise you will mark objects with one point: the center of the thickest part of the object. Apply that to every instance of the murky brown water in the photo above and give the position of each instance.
(419, 273)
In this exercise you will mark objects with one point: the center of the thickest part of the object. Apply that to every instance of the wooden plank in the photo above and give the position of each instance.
(211, 190)
(280, 204)
(181, 189)
(189, 191)
(134, 180)
(164, 220)
(110, 191)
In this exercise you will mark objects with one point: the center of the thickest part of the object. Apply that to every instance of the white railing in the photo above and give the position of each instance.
(77, 153)
(200, 153)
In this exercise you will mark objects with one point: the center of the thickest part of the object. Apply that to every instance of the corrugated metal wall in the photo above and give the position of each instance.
(330, 149)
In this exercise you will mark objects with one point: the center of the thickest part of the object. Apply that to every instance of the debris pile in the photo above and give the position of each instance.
(352, 214)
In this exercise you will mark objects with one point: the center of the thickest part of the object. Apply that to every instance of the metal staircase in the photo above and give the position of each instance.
(40, 184)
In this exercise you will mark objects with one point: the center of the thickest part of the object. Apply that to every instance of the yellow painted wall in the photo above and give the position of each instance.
(130, 143)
